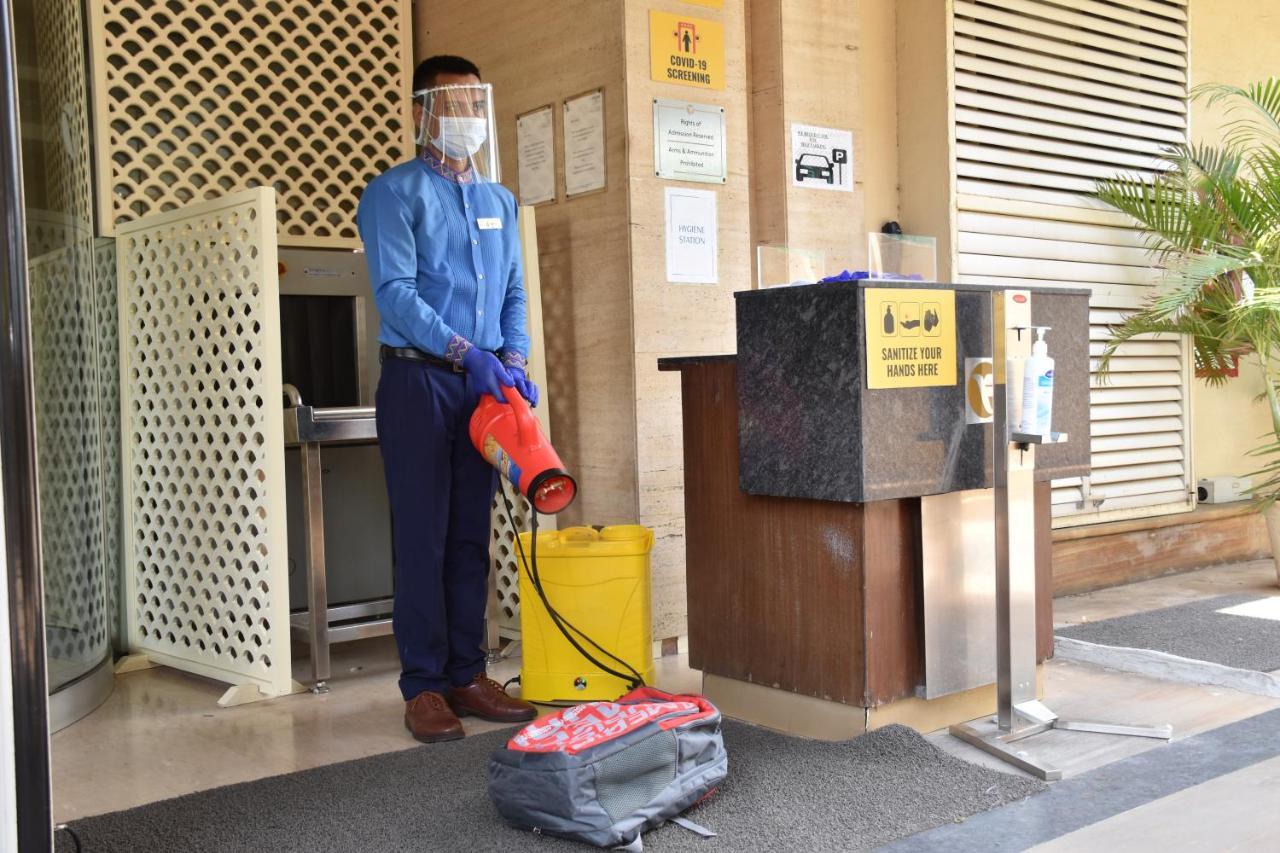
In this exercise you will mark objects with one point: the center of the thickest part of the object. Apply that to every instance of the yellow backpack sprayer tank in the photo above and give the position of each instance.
(601, 580)
(600, 583)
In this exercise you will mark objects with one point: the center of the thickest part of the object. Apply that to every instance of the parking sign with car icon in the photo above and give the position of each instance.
(815, 166)
(821, 158)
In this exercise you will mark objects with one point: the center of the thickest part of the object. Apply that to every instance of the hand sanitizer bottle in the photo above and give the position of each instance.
(1037, 388)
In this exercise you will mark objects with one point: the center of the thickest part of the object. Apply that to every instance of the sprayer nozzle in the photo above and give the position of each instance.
(552, 492)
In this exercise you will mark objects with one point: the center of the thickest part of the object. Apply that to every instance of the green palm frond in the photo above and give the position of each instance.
(1211, 221)
(1187, 208)
(1265, 482)
(1253, 111)
(1263, 193)
(1196, 284)
(1214, 353)
(1168, 214)
(1206, 168)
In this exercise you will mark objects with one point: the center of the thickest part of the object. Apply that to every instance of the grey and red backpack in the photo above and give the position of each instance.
(606, 772)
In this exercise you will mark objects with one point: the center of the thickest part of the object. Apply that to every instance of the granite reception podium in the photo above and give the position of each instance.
(838, 479)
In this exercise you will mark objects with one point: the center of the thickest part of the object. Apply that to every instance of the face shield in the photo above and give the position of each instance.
(456, 126)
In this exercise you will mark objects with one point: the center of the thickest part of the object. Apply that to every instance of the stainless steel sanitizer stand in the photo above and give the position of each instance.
(1020, 714)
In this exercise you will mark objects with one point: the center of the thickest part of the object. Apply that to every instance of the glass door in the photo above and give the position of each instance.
(73, 322)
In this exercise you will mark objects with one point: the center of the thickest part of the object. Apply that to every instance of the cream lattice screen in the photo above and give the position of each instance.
(206, 562)
(504, 557)
(195, 99)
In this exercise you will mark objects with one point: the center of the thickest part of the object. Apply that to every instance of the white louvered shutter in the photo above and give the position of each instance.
(1049, 97)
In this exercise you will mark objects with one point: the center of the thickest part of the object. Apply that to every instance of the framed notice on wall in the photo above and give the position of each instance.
(584, 153)
(688, 141)
(536, 156)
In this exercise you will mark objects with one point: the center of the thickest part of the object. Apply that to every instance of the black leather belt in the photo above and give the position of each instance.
(410, 354)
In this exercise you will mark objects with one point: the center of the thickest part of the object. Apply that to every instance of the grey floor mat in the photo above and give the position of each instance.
(782, 793)
(1196, 631)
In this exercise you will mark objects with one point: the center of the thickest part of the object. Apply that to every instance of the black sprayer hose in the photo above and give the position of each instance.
(563, 624)
(532, 572)
(566, 628)
(635, 678)
(531, 563)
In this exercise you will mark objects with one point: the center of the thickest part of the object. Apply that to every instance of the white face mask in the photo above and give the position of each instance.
(461, 136)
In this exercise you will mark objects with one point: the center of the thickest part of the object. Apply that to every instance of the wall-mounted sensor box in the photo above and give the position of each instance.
(1222, 490)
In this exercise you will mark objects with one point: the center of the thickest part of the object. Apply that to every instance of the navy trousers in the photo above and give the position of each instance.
(440, 490)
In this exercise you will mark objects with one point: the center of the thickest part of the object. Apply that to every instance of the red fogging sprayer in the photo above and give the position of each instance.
(508, 435)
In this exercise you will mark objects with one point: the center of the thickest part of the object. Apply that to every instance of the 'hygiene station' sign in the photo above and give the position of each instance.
(911, 337)
(686, 51)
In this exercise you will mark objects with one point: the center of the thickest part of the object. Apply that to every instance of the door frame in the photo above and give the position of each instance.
(32, 794)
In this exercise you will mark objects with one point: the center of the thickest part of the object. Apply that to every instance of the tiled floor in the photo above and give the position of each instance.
(161, 733)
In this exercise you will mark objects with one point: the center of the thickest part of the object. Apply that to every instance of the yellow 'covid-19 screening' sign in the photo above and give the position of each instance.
(685, 50)
(911, 337)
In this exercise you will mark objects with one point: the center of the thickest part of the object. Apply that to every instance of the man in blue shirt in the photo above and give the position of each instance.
(445, 265)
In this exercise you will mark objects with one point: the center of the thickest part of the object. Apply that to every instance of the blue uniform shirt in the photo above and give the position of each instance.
(444, 260)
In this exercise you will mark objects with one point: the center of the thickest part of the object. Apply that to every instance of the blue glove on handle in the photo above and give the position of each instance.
(486, 373)
(524, 385)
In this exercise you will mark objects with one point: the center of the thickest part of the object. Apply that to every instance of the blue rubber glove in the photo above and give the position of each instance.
(524, 385)
(485, 373)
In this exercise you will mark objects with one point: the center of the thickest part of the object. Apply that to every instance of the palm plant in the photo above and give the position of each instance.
(1211, 219)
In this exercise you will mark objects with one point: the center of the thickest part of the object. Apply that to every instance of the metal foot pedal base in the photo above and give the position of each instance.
(1034, 718)
(997, 743)
(1157, 732)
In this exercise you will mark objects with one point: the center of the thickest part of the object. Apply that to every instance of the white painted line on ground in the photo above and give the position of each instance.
(1263, 608)
(1167, 667)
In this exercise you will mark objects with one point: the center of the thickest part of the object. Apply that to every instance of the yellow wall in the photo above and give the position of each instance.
(1232, 41)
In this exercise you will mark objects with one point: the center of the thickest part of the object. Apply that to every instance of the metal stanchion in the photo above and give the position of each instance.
(1020, 714)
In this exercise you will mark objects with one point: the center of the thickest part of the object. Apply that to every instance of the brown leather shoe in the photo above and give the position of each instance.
(485, 698)
(429, 720)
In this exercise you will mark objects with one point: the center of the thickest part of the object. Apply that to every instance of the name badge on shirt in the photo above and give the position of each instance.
(489, 223)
